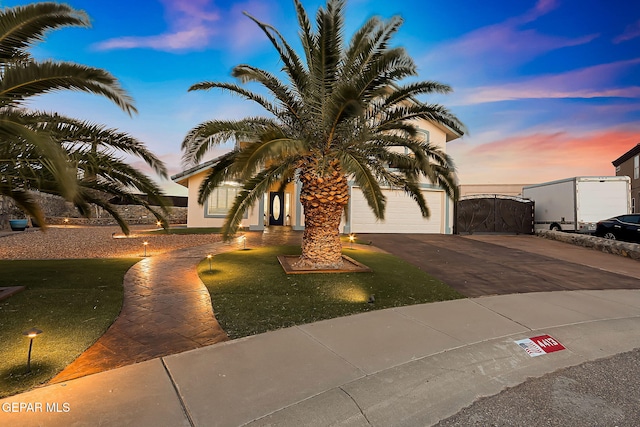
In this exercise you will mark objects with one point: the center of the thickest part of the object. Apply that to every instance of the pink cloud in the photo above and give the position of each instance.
(589, 82)
(502, 46)
(196, 24)
(631, 32)
(539, 157)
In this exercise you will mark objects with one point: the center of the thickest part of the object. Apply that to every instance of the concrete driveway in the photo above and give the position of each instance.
(480, 265)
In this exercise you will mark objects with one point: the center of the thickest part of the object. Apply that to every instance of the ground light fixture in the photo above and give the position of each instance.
(158, 224)
(66, 221)
(352, 238)
(244, 242)
(31, 334)
(145, 243)
(209, 258)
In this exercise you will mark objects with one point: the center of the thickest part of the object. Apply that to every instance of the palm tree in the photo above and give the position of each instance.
(341, 115)
(35, 153)
(94, 151)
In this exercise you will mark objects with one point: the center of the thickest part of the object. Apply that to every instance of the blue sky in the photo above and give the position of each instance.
(547, 89)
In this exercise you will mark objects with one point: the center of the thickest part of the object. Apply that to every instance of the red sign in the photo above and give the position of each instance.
(547, 343)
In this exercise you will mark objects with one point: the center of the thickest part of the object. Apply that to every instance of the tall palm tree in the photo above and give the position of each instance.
(33, 154)
(342, 114)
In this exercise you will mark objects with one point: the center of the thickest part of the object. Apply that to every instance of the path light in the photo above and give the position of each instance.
(209, 258)
(351, 239)
(244, 242)
(145, 247)
(31, 334)
(158, 224)
(66, 221)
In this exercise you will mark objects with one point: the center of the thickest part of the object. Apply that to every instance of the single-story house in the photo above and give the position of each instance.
(284, 208)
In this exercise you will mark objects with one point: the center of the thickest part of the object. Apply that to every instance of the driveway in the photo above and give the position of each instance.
(482, 265)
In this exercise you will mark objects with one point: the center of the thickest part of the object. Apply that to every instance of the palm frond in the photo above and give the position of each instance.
(22, 26)
(26, 79)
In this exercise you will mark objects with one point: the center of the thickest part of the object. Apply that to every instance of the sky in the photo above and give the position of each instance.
(547, 89)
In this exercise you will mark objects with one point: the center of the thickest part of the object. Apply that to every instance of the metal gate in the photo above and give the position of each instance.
(494, 214)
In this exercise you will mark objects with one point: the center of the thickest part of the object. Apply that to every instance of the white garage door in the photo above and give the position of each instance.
(402, 214)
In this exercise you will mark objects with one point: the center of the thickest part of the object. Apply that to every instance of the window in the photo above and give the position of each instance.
(636, 167)
(633, 205)
(221, 200)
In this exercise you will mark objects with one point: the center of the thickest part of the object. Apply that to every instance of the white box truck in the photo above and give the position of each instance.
(577, 204)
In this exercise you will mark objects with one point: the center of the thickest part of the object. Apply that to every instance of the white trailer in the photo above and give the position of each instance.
(577, 204)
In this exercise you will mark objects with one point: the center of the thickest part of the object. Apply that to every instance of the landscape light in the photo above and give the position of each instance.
(158, 223)
(31, 334)
(145, 248)
(209, 258)
(351, 239)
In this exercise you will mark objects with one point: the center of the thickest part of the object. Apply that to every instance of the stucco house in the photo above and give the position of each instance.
(284, 208)
(629, 165)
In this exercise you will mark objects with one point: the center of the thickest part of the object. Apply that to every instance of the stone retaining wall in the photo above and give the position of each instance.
(630, 250)
(57, 209)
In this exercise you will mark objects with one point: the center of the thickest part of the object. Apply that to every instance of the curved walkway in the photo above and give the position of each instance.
(166, 310)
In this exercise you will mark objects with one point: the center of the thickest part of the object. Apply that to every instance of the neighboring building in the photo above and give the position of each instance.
(284, 208)
(490, 189)
(629, 165)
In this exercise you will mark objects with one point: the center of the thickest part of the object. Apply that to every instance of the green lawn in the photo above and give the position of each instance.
(72, 301)
(251, 294)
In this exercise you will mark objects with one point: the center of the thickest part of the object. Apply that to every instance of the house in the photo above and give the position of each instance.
(629, 165)
(402, 214)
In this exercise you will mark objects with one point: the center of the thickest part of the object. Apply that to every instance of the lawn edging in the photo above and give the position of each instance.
(615, 247)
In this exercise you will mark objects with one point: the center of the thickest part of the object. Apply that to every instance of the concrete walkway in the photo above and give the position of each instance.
(166, 310)
(408, 366)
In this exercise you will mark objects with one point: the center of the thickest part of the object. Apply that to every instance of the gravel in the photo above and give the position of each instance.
(72, 242)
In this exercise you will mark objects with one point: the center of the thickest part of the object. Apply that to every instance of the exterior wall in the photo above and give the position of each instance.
(627, 169)
(502, 189)
(256, 217)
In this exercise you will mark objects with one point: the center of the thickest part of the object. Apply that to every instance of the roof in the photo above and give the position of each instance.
(182, 178)
(626, 156)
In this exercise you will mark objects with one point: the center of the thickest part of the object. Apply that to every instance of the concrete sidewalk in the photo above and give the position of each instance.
(410, 366)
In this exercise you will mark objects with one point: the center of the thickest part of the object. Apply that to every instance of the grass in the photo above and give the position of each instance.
(251, 294)
(72, 301)
(203, 230)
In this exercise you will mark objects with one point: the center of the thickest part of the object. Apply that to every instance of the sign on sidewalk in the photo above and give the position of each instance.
(537, 346)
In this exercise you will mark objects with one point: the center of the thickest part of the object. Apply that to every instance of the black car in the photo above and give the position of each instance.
(622, 227)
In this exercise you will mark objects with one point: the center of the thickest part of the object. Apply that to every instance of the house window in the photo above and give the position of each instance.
(221, 200)
(633, 205)
(636, 167)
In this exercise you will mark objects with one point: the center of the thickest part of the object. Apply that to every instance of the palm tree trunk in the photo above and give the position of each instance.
(323, 199)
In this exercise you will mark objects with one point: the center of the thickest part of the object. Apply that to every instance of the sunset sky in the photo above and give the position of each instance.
(547, 89)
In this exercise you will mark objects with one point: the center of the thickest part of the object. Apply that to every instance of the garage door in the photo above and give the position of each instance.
(401, 216)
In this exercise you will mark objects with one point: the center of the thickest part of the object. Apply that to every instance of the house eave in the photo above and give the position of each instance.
(626, 156)
(182, 178)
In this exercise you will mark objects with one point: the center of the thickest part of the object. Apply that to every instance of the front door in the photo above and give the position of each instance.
(276, 208)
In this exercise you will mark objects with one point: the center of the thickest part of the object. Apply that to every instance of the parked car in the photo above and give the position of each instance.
(622, 227)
